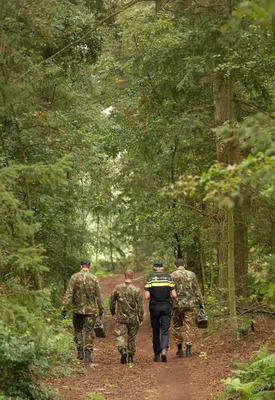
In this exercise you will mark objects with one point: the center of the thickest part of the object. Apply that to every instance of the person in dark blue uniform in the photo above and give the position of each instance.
(160, 290)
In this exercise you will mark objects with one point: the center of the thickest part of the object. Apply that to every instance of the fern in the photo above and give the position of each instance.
(255, 381)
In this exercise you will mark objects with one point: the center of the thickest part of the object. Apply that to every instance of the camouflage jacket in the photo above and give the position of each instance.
(126, 303)
(84, 290)
(187, 289)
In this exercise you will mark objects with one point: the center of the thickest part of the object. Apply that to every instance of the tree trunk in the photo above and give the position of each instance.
(2, 5)
(211, 267)
(193, 260)
(222, 251)
(220, 93)
(97, 237)
(240, 250)
(178, 249)
(111, 247)
(202, 262)
(221, 108)
(231, 239)
(231, 275)
(160, 4)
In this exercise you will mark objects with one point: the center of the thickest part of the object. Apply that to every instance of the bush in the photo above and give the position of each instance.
(31, 339)
(261, 280)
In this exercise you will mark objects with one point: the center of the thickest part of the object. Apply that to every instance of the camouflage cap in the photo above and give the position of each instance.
(85, 262)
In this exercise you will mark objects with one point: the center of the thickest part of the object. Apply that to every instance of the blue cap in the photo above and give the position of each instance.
(158, 264)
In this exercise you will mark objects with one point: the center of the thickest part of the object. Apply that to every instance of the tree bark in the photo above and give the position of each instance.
(160, 4)
(111, 247)
(230, 217)
(97, 237)
(231, 274)
(221, 109)
(202, 262)
(240, 250)
(2, 5)
(222, 250)
(211, 267)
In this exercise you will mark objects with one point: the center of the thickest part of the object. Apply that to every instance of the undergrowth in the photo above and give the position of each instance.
(33, 339)
(254, 380)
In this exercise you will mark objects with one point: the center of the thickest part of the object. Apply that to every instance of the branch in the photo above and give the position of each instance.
(222, 5)
(128, 5)
(252, 106)
(256, 310)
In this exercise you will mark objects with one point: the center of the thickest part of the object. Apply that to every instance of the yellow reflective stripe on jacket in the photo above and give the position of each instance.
(169, 284)
(159, 283)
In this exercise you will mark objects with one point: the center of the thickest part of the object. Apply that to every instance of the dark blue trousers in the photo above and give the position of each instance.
(160, 316)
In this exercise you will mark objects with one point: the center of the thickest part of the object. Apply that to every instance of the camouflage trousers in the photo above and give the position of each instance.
(126, 336)
(84, 330)
(183, 322)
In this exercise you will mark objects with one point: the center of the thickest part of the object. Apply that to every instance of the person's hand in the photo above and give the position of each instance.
(63, 313)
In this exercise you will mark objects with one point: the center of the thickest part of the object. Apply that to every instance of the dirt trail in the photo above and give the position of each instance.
(196, 378)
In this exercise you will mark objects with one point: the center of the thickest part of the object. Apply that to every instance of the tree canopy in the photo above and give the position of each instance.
(133, 130)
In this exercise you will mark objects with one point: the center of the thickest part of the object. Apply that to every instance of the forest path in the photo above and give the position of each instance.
(195, 378)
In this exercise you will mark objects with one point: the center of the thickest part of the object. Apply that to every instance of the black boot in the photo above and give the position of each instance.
(156, 357)
(80, 354)
(180, 351)
(188, 350)
(164, 355)
(87, 357)
(123, 358)
(130, 359)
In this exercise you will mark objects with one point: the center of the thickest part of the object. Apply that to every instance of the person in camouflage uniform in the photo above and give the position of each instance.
(188, 297)
(127, 307)
(84, 290)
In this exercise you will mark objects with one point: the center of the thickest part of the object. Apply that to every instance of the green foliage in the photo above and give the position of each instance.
(253, 381)
(31, 341)
(95, 396)
(50, 150)
(261, 280)
(244, 327)
(162, 92)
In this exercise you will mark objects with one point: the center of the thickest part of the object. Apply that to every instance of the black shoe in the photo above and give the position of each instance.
(188, 350)
(164, 355)
(180, 351)
(130, 359)
(87, 357)
(156, 357)
(123, 358)
(80, 354)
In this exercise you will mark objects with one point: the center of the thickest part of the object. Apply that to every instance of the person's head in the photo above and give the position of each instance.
(129, 275)
(179, 262)
(158, 266)
(85, 264)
